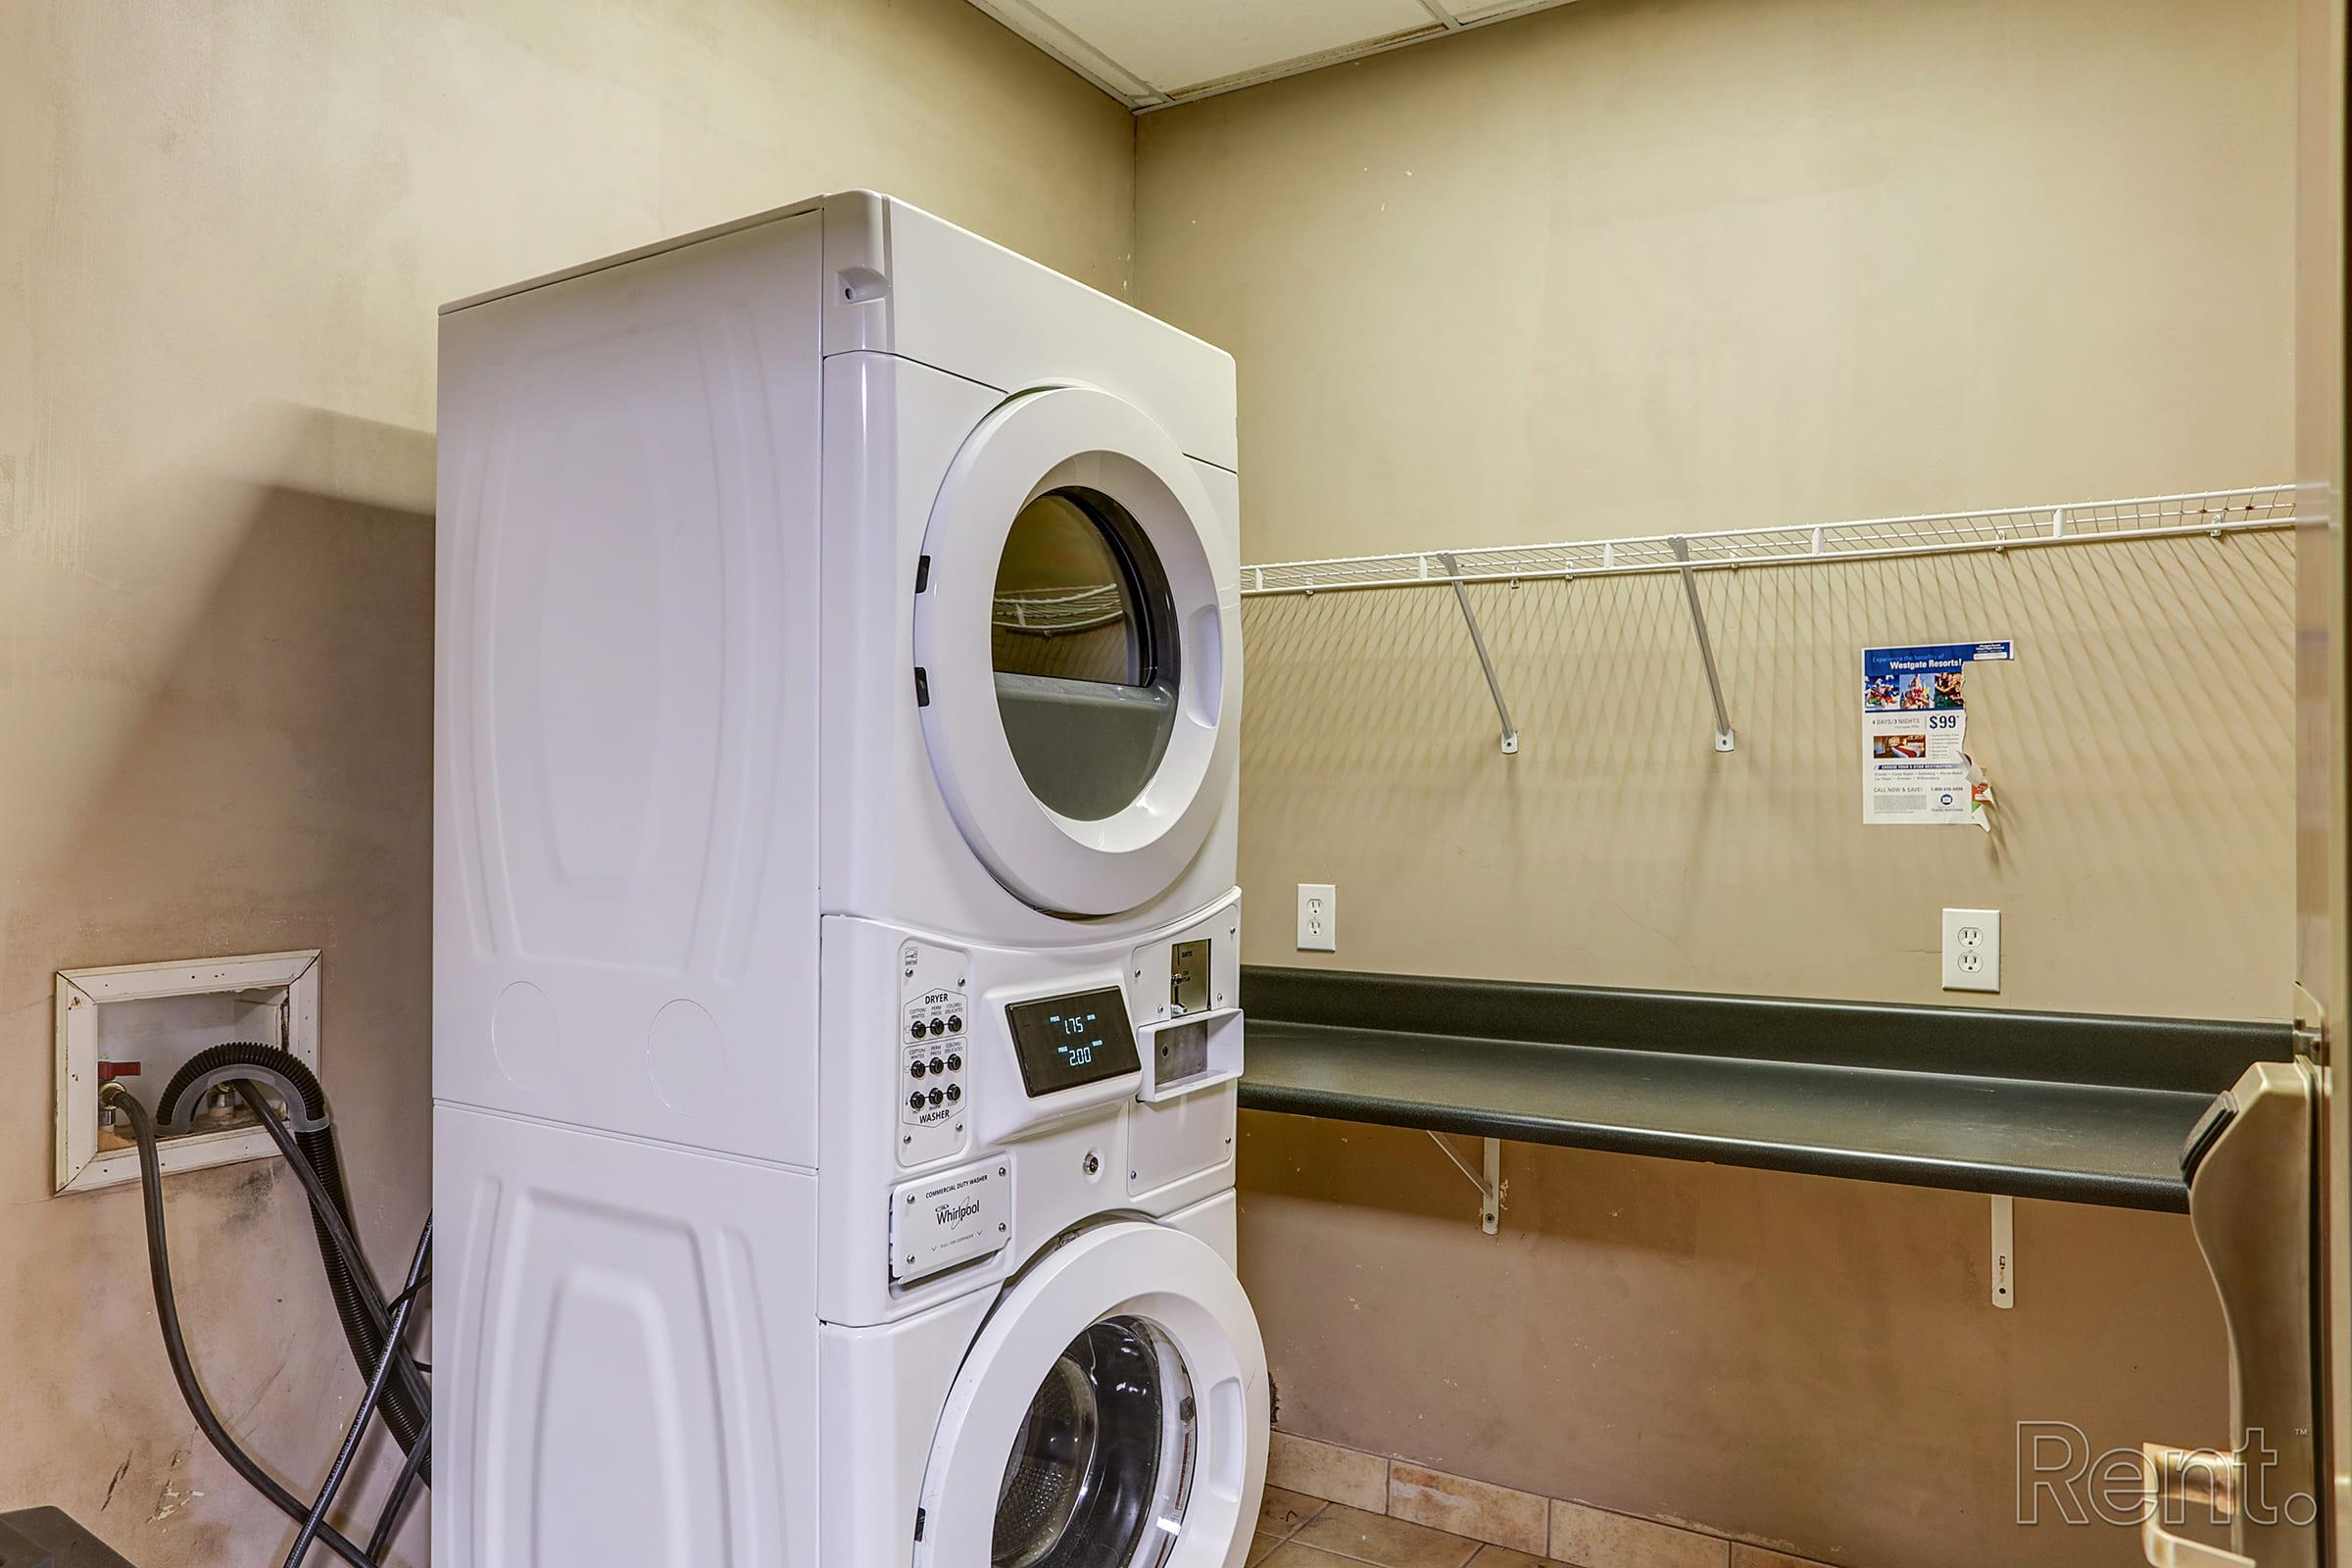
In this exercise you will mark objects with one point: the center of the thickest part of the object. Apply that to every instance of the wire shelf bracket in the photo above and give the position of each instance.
(1725, 737)
(2214, 513)
(1486, 660)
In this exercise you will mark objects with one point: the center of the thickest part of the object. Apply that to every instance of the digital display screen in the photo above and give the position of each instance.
(1062, 1042)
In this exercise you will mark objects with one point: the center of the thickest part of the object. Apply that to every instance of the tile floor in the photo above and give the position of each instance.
(1294, 1531)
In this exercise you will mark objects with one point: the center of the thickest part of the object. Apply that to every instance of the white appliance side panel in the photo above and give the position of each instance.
(892, 850)
(911, 284)
(882, 1393)
(1225, 489)
(1216, 1220)
(625, 804)
(1178, 1139)
(1219, 860)
(625, 1352)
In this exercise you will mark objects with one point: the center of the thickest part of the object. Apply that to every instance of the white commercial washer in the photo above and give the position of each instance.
(836, 941)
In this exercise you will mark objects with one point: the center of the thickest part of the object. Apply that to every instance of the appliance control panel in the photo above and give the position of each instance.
(934, 1021)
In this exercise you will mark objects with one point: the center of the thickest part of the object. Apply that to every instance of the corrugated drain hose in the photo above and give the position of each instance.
(359, 1303)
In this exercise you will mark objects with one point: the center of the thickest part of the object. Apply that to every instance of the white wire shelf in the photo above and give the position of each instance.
(2213, 512)
(2208, 512)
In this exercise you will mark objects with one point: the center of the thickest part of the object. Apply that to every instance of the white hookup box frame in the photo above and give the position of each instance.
(100, 1011)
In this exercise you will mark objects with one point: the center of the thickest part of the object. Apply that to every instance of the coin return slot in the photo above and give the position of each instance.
(1182, 1052)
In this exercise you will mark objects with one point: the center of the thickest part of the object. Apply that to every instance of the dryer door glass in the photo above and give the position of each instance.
(1102, 1460)
(1077, 643)
(1083, 641)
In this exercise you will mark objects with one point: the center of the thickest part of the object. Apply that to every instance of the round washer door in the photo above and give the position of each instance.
(1080, 660)
(1111, 1414)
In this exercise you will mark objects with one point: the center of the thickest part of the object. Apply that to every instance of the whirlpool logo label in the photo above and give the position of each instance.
(951, 1219)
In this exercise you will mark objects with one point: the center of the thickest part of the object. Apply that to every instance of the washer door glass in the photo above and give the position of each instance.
(1109, 1413)
(1102, 1461)
(1083, 642)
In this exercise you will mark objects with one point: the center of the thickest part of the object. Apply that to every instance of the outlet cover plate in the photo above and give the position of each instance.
(1972, 949)
(164, 1012)
(1318, 917)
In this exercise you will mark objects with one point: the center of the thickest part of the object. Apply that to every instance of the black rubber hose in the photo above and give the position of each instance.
(175, 1345)
(378, 1383)
(326, 1216)
(387, 1523)
(347, 1279)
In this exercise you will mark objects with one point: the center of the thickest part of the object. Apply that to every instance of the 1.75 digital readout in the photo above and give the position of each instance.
(1063, 1042)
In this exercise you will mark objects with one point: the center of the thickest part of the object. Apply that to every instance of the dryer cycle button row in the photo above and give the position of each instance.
(953, 1024)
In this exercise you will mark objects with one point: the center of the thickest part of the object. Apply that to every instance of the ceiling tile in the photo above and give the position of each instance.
(1176, 48)
(1491, 10)
(1072, 51)
(1150, 53)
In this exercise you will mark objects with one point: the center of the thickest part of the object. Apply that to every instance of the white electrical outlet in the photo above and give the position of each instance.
(1318, 917)
(1972, 949)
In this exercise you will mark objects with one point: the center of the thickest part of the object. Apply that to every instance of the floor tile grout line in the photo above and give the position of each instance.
(1387, 1464)
(1475, 1545)
(1322, 1507)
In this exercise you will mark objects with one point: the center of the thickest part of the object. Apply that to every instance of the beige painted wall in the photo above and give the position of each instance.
(1785, 259)
(1638, 265)
(223, 233)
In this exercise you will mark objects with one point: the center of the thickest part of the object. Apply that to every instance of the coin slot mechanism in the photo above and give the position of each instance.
(1188, 977)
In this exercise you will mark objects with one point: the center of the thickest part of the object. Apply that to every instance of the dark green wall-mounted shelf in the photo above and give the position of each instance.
(2080, 1107)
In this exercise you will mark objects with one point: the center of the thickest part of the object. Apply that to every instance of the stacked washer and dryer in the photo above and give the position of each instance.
(836, 940)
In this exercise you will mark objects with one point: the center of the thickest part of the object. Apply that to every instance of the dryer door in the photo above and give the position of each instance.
(1077, 629)
(1111, 1414)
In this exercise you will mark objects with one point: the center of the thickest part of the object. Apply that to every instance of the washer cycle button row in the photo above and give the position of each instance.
(915, 1069)
(936, 1098)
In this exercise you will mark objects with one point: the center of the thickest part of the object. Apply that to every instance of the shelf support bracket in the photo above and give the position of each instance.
(2004, 1252)
(1486, 661)
(1488, 1185)
(1725, 739)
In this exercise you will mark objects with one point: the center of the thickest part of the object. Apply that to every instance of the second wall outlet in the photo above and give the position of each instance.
(1318, 917)
(1972, 949)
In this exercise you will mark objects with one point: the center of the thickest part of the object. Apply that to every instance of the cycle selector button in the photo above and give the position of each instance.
(955, 1092)
(915, 1069)
(938, 1066)
(954, 1063)
(939, 1026)
(914, 1101)
(955, 1024)
(914, 1031)
(937, 1096)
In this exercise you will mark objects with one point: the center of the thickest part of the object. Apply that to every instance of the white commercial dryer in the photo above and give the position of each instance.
(836, 941)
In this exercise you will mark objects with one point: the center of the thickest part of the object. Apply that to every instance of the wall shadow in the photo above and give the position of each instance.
(238, 760)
